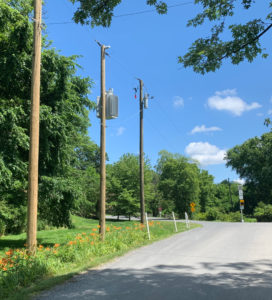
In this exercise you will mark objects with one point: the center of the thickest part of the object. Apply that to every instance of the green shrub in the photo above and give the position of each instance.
(263, 212)
(234, 217)
(200, 216)
(12, 218)
(213, 214)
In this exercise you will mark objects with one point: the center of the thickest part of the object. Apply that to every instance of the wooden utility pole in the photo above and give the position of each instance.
(142, 201)
(230, 196)
(34, 132)
(102, 206)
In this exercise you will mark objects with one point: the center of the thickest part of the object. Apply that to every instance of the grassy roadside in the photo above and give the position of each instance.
(63, 253)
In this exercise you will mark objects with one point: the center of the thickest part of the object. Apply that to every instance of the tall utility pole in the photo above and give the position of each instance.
(142, 201)
(34, 132)
(230, 194)
(102, 206)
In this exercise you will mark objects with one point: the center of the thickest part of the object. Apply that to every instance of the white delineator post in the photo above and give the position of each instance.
(175, 221)
(147, 226)
(187, 220)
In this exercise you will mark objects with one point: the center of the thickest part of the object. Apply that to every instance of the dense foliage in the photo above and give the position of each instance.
(63, 124)
(123, 186)
(207, 53)
(252, 161)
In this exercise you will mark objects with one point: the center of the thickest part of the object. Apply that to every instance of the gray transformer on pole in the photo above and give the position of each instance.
(111, 106)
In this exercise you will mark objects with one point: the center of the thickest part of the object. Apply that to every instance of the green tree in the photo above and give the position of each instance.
(123, 190)
(96, 13)
(179, 182)
(207, 190)
(63, 121)
(252, 161)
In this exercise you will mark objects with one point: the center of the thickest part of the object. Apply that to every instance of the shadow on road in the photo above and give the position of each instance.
(215, 281)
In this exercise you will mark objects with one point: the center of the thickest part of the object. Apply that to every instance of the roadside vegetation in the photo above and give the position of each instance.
(62, 253)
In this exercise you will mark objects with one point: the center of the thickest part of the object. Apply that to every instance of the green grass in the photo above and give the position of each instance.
(56, 264)
(48, 237)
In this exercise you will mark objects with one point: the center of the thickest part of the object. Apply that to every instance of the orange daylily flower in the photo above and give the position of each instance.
(9, 253)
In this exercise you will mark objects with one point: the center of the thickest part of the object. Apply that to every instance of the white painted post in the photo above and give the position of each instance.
(147, 226)
(242, 217)
(175, 221)
(187, 220)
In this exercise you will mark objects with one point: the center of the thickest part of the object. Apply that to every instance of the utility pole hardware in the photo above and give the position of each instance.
(34, 132)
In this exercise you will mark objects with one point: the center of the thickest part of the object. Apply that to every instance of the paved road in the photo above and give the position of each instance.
(219, 261)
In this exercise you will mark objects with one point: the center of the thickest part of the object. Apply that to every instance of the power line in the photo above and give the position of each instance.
(130, 14)
(151, 10)
(165, 114)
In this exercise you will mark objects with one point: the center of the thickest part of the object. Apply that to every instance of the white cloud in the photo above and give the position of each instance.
(120, 131)
(271, 99)
(240, 181)
(228, 100)
(203, 128)
(205, 153)
(270, 112)
(260, 114)
(178, 102)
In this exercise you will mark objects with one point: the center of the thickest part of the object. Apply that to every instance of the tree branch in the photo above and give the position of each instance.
(249, 42)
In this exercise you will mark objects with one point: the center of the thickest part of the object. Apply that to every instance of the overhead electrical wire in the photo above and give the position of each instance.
(151, 10)
(130, 14)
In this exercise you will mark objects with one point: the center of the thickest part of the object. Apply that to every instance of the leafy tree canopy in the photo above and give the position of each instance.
(65, 106)
(207, 54)
(252, 161)
(96, 12)
(123, 188)
(179, 181)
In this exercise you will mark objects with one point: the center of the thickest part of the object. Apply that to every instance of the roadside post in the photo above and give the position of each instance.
(160, 211)
(187, 220)
(147, 226)
(242, 201)
(175, 221)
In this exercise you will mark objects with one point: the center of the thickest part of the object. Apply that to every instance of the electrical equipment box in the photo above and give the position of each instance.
(111, 106)
(145, 101)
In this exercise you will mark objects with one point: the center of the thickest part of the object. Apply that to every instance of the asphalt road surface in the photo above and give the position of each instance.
(219, 261)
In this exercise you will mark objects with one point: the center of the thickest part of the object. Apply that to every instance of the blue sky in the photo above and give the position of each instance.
(191, 114)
